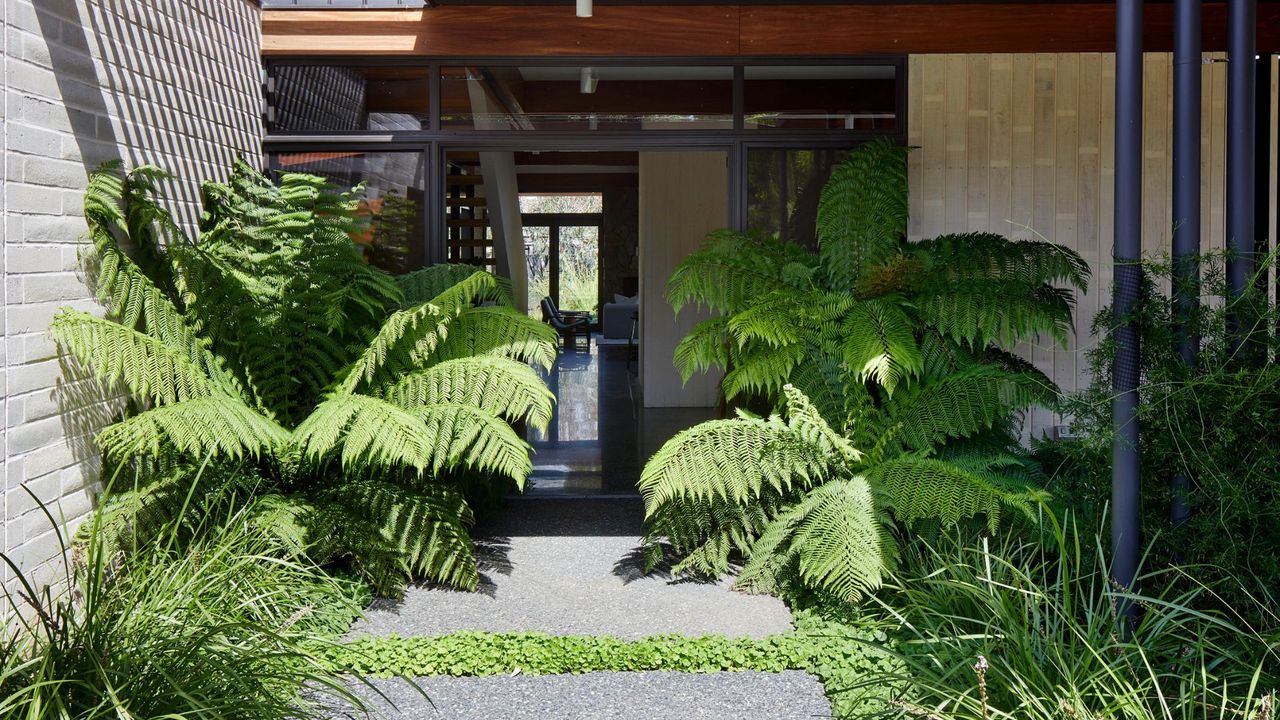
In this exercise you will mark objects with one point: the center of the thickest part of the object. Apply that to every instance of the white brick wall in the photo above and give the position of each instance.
(174, 83)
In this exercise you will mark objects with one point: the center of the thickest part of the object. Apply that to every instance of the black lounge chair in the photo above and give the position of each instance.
(571, 325)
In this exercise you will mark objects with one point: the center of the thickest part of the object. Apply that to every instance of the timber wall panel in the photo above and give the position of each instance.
(1023, 145)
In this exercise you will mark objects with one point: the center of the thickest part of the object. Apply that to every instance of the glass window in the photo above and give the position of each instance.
(823, 97)
(586, 98)
(335, 98)
(394, 195)
(783, 187)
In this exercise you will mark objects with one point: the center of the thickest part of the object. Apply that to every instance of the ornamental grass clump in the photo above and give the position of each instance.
(223, 627)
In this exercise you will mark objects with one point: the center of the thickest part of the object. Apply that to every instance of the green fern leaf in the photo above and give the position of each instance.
(497, 385)
(217, 426)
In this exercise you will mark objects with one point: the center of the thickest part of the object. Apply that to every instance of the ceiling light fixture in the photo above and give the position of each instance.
(584, 8)
(587, 81)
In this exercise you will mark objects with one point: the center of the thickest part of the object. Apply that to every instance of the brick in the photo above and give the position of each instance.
(33, 199)
(33, 140)
(33, 436)
(33, 258)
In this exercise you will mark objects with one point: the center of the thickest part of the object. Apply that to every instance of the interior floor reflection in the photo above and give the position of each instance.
(600, 433)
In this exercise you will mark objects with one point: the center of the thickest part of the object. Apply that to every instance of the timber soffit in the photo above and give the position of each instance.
(731, 30)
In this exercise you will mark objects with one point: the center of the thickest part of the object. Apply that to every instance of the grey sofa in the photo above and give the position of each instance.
(615, 317)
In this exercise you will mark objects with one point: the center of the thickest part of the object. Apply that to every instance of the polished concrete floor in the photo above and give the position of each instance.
(601, 433)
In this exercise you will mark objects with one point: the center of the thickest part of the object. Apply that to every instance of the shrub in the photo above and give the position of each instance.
(1209, 425)
(892, 361)
(225, 628)
(357, 405)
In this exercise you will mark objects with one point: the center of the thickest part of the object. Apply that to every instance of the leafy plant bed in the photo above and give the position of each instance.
(838, 655)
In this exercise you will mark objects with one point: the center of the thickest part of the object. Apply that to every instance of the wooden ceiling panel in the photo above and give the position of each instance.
(534, 31)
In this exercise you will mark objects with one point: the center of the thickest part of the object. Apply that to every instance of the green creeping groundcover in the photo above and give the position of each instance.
(837, 655)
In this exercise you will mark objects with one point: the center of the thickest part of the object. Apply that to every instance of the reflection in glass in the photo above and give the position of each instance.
(586, 98)
(824, 97)
(335, 98)
(393, 201)
(783, 188)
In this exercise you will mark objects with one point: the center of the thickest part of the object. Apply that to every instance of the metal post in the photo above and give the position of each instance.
(1186, 199)
(1125, 477)
(1241, 141)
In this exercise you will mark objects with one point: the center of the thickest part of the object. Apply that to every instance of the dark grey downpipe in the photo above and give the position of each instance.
(1241, 126)
(1186, 198)
(1128, 274)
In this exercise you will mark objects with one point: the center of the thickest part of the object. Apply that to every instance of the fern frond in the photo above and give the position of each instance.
(732, 461)
(425, 524)
(929, 489)
(403, 342)
(963, 404)
(804, 418)
(501, 331)
(499, 386)
(840, 542)
(426, 284)
(732, 269)
(988, 256)
(216, 425)
(762, 370)
(370, 432)
(862, 214)
(705, 347)
(153, 371)
(880, 343)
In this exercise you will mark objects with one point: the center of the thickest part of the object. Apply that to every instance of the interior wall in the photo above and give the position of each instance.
(1022, 145)
(683, 196)
(619, 240)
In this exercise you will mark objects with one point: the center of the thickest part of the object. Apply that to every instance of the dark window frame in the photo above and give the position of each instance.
(434, 142)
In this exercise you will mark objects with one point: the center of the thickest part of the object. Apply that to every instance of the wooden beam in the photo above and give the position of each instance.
(495, 30)
(972, 28)
(729, 30)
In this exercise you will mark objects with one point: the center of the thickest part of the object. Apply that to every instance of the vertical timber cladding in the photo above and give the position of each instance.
(1022, 145)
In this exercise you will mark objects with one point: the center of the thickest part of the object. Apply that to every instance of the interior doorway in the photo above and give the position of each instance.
(562, 248)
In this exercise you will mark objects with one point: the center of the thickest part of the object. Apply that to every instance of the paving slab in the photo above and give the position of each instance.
(789, 695)
(571, 567)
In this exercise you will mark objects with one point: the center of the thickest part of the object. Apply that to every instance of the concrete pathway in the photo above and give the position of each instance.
(597, 696)
(570, 566)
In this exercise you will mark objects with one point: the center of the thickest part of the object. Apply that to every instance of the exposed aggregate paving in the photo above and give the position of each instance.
(570, 566)
(595, 696)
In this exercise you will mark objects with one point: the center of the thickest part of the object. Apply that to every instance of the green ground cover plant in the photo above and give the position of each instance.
(838, 653)
(889, 370)
(225, 626)
(360, 409)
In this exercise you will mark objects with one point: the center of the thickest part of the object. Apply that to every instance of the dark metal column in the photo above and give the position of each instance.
(1125, 477)
(1186, 197)
(1241, 141)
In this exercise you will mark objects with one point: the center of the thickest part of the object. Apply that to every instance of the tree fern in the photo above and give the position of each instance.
(271, 351)
(893, 363)
(153, 371)
(217, 425)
